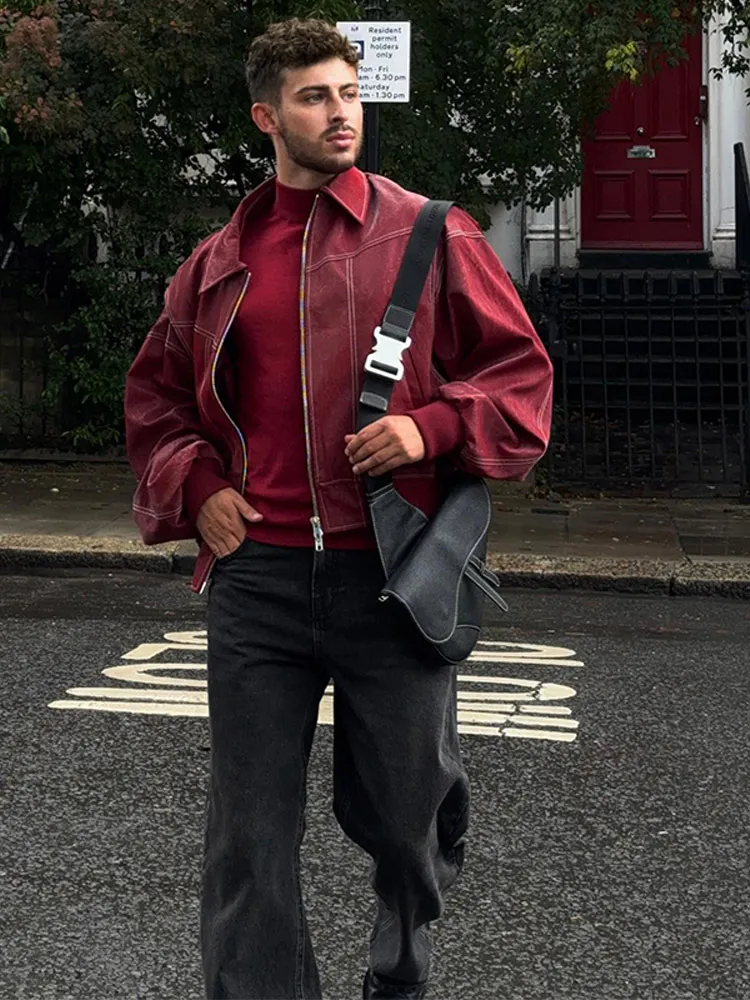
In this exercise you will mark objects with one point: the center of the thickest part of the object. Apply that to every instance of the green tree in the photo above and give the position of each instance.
(130, 123)
(111, 109)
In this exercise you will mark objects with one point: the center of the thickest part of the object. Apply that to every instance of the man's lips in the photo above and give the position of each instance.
(341, 139)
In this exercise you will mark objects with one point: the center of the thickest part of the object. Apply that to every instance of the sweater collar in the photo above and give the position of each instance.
(293, 204)
(350, 191)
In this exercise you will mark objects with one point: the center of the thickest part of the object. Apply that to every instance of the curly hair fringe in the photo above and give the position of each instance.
(292, 44)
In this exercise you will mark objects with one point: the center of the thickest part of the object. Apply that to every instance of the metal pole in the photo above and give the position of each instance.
(372, 139)
(373, 10)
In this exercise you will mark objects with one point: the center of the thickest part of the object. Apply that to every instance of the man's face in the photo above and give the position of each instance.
(319, 120)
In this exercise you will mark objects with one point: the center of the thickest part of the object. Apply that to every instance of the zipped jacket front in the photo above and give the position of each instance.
(474, 355)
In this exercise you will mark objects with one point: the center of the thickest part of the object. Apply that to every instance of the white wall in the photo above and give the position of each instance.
(728, 123)
(504, 236)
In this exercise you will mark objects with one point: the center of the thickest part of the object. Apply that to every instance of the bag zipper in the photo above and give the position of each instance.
(317, 527)
(232, 316)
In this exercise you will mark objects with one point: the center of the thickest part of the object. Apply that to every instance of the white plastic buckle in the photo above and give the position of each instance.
(385, 358)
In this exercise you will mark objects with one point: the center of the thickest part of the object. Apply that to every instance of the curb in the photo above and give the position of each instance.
(729, 578)
(20, 552)
(681, 578)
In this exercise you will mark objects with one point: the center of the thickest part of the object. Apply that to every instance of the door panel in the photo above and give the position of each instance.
(615, 195)
(672, 109)
(669, 195)
(652, 202)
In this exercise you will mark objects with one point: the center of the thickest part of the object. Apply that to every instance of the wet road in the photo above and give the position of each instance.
(606, 738)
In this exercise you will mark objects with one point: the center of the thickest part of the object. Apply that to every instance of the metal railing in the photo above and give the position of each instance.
(651, 378)
(27, 313)
(651, 370)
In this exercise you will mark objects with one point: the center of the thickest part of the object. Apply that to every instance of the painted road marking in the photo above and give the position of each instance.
(488, 705)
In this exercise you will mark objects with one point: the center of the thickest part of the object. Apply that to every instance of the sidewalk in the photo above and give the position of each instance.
(78, 515)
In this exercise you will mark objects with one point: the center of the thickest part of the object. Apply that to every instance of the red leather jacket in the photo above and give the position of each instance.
(474, 352)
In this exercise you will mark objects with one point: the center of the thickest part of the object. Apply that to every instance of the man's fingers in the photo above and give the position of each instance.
(387, 466)
(244, 508)
(366, 435)
(386, 439)
(377, 459)
(250, 513)
(224, 540)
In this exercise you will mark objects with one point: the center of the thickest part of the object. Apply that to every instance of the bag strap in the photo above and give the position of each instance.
(384, 366)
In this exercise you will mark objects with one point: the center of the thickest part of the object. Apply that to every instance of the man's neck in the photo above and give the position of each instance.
(291, 175)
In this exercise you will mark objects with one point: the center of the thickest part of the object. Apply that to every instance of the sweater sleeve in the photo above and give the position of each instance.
(440, 427)
(205, 478)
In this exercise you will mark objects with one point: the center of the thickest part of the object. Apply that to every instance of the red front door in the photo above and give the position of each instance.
(643, 176)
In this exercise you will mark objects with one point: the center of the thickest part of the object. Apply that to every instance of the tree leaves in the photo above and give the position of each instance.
(133, 117)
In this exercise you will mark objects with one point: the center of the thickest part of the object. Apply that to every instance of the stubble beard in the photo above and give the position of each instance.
(307, 154)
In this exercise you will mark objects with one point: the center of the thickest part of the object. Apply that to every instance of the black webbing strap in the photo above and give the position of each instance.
(383, 367)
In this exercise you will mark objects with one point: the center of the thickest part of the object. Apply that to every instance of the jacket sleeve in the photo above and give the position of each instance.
(494, 411)
(177, 469)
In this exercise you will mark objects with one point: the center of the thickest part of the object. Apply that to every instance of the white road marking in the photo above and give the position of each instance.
(522, 652)
(143, 675)
(540, 734)
(148, 650)
(541, 721)
(133, 707)
(514, 707)
(546, 709)
(162, 694)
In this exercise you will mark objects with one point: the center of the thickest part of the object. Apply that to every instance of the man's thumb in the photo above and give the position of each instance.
(248, 512)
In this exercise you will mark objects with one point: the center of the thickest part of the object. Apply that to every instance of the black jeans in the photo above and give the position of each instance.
(281, 624)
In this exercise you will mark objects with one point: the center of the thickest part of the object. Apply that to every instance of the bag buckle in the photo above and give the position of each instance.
(385, 358)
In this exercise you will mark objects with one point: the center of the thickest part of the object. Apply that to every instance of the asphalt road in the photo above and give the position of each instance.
(607, 742)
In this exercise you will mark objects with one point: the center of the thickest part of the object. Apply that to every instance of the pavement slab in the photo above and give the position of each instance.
(79, 514)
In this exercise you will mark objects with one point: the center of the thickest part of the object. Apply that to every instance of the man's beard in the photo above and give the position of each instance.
(308, 154)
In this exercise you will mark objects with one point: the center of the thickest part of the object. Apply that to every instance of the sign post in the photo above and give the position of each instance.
(384, 73)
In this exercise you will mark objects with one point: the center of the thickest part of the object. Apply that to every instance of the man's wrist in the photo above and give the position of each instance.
(205, 478)
(440, 427)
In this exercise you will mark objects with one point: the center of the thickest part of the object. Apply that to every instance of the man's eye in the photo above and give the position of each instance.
(312, 98)
(351, 95)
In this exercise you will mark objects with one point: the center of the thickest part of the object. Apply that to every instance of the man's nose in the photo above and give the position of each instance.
(338, 111)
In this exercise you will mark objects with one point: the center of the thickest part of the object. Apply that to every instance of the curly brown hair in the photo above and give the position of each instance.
(292, 44)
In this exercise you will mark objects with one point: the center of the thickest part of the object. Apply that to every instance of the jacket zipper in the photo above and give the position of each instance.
(232, 316)
(317, 527)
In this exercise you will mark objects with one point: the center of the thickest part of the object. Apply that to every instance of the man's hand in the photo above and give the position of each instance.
(221, 523)
(384, 445)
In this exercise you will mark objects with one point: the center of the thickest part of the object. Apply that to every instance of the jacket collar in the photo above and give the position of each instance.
(352, 192)
(349, 191)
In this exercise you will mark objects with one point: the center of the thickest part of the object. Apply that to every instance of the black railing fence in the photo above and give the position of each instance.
(30, 307)
(651, 377)
(38, 295)
(651, 370)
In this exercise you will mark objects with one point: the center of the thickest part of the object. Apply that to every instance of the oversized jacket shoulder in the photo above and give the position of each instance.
(497, 377)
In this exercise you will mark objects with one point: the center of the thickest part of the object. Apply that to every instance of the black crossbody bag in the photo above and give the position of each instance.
(434, 567)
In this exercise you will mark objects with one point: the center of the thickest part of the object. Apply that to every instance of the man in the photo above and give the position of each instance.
(241, 410)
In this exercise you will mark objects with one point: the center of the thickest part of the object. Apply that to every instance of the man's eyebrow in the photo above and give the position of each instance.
(322, 88)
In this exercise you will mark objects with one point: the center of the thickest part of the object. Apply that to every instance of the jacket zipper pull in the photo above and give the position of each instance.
(317, 533)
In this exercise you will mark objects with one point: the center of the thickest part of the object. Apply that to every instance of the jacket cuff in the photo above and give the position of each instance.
(204, 479)
(440, 427)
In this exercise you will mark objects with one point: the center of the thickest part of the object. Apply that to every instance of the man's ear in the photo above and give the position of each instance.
(265, 117)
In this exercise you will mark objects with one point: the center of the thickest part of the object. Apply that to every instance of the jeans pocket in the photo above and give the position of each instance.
(223, 560)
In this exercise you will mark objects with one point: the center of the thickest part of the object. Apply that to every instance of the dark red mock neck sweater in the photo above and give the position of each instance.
(269, 408)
